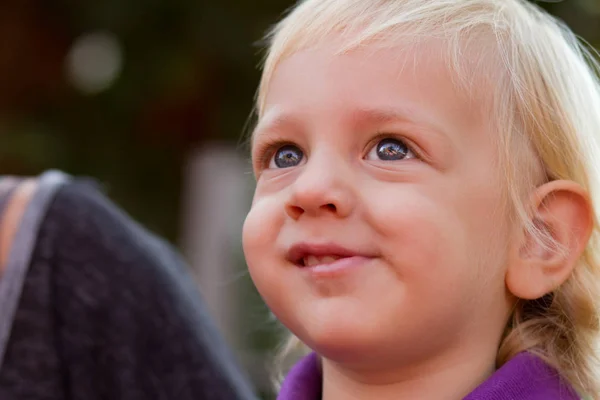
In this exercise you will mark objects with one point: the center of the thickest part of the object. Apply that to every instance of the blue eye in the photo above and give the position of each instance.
(286, 157)
(390, 150)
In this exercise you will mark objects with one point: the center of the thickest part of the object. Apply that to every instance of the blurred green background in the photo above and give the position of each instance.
(128, 91)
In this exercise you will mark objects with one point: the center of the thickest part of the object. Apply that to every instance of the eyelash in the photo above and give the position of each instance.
(267, 149)
(409, 143)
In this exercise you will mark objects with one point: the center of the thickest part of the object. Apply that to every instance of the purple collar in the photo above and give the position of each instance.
(525, 377)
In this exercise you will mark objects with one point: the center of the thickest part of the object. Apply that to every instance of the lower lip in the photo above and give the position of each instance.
(338, 267)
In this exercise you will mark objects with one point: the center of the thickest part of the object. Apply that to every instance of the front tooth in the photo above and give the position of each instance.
(311, 261)
(328, 259)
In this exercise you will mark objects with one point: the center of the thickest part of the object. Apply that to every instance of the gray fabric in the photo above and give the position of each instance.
(23, 245)
(109, 311)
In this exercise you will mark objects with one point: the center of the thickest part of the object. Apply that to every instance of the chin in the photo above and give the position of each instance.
(341, 341)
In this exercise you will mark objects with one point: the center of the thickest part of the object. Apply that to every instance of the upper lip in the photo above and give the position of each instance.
(299, 251)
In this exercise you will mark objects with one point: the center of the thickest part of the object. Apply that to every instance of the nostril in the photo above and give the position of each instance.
(330, 207)
(294, 211)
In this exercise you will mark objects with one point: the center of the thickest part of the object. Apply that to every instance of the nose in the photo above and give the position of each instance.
(321, 189)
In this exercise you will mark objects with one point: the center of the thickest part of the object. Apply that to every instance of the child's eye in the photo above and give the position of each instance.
(390, 150)
(286, 156)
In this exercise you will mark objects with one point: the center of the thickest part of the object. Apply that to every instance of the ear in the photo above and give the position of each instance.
(563, 214)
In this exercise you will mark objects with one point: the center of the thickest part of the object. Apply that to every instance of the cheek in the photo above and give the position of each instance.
(416, 228)
(438, 240)
(273, 280)
(259, 237)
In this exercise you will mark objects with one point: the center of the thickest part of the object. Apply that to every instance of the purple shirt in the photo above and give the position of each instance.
(525, 377)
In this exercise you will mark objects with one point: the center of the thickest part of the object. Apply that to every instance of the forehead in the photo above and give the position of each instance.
(375, 82)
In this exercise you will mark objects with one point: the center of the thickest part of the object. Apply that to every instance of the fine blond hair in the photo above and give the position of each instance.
(545, 108)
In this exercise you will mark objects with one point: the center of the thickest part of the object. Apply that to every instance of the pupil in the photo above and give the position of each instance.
(288, 156)
(390, 149)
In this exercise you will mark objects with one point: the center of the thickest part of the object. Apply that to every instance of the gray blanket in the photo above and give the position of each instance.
(93, 306)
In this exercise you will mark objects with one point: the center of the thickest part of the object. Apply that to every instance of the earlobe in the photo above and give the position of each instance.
(539, 263)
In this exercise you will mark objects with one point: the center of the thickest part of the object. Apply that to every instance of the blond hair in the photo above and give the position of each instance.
(545, 107)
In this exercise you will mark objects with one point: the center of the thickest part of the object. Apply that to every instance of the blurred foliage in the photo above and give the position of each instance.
(189, 75)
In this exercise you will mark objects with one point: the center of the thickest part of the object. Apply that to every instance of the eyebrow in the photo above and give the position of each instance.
(367, 116)
(377, 115)
(362, 116)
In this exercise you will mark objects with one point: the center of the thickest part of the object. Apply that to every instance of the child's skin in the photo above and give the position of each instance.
(388, 159)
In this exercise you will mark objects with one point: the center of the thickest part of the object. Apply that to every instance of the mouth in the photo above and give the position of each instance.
(312, 255)
(312, 260)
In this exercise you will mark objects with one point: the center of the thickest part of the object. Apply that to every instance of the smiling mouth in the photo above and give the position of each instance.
(314, 255)
(325, 267)
(312, 260)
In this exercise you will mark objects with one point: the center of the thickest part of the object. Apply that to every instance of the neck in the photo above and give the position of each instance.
(449, 377)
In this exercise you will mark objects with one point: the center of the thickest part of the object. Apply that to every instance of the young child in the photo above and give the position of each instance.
(423, 218)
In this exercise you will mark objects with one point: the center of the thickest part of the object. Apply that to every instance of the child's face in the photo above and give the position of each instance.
(377, 153)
